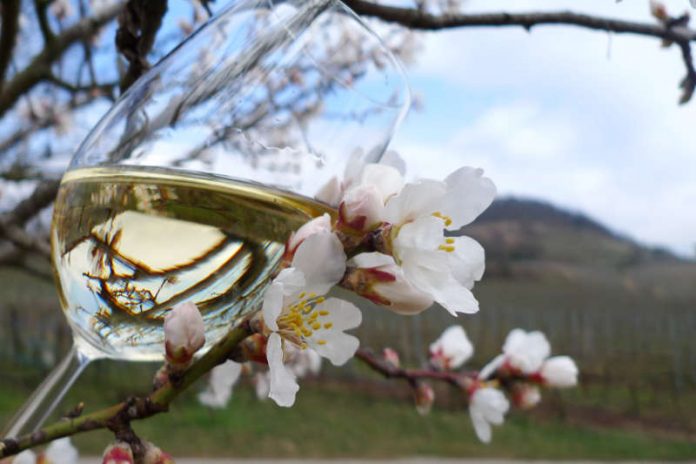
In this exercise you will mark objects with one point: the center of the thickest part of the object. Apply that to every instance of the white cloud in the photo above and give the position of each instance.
(549, 114)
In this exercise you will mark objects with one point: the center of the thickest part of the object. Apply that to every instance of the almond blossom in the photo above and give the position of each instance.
(296, 312)
(452, 349)
(441, 266)
(220, 384)
(184, 334)
(523, 352)
(487, 406)
(525, 395)
(559, 372)
(424, 397)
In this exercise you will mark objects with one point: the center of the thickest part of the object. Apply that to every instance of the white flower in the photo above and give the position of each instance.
(184, 333)
(560, 372)
(452, 349)
(526, 351)
(295, 312)
(302, 362)
(321, 224)
(219, 389)
(443, 267)
(382, 281)
(25, 457)
(61, 451)
(487, 406)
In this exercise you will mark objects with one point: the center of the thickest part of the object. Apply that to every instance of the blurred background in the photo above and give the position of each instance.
(591, 240)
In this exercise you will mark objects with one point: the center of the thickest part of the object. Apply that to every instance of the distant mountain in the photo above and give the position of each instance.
(523, 230)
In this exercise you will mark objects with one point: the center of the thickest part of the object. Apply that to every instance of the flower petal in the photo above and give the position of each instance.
(481, 426)
(425, 233)
(322, 261)
(330, 192)
(370, 260)
(284, 386)
(342, 315)
(339, 347)
(272, 305)
(468, 195)
(415, 200)
(467, 261)
(386, 179)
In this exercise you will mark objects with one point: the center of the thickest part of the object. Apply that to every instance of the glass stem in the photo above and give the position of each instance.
(48, 395)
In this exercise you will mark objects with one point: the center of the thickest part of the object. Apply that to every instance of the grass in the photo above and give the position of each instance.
(334, 420)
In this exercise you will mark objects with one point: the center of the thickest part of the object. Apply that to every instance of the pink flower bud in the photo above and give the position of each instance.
(118, 453)
(377, 277)
(392, 357)
(424, 396)
(317, 225)
(184, 334)
(154, 455)
(361, 208)
(525, 395)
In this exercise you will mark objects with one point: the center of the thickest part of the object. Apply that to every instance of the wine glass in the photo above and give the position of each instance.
(188, 188)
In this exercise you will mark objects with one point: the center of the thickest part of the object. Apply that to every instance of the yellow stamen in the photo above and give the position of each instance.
(328, 325)
(321, 342)
(316, 326)
(323, 312)
(447, 248)
(449, 241)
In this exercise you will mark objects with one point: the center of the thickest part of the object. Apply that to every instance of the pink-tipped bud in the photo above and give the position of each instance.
(392, 357)
(154, 455)
(118, 453)
(424, 396)
(377, 277)
(184, 334)
(317, 225)
(361, 208)
(525, 395)
(451, 350)
(658, 10)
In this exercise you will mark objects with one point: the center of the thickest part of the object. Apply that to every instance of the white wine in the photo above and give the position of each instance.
(128, 243)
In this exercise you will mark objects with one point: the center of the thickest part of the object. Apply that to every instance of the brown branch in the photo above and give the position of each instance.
(39, 69)
(8, 35)
(138, 25)
(119, 416)
(412, 376)
(688, 84)
(41, 7)
(416, 19)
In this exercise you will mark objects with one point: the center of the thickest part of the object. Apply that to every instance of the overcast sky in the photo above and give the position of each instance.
(583, 119)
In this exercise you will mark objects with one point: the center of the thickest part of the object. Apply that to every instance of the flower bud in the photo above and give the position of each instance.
(451, 350)
(317, 225)
(392, 357)
(361, 208)
(184, 334)
(154, 455)
(424, 396)
(559, 372)
(118, 453)
(378, 278)
(525, 395)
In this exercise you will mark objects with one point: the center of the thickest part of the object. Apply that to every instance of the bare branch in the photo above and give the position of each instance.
(40, 67)
(41, 7)
(416, 19)
(688, 84)
(138, 25)
(8, 35)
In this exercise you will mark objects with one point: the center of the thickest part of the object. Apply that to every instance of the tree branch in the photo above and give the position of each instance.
(39, 69)
(138, 26)
(41, 7)
(8, 35)
(412, 376)
(416, 19)
(120, 415)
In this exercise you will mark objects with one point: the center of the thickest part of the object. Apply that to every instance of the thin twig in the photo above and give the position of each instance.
(8, 34)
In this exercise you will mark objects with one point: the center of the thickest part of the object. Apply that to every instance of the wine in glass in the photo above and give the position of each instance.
(190, 185)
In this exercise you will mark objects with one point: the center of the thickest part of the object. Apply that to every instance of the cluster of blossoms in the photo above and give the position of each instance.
(523, 367)
(398, 245)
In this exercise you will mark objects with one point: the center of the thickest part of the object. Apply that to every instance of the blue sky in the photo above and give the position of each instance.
(584, 119)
